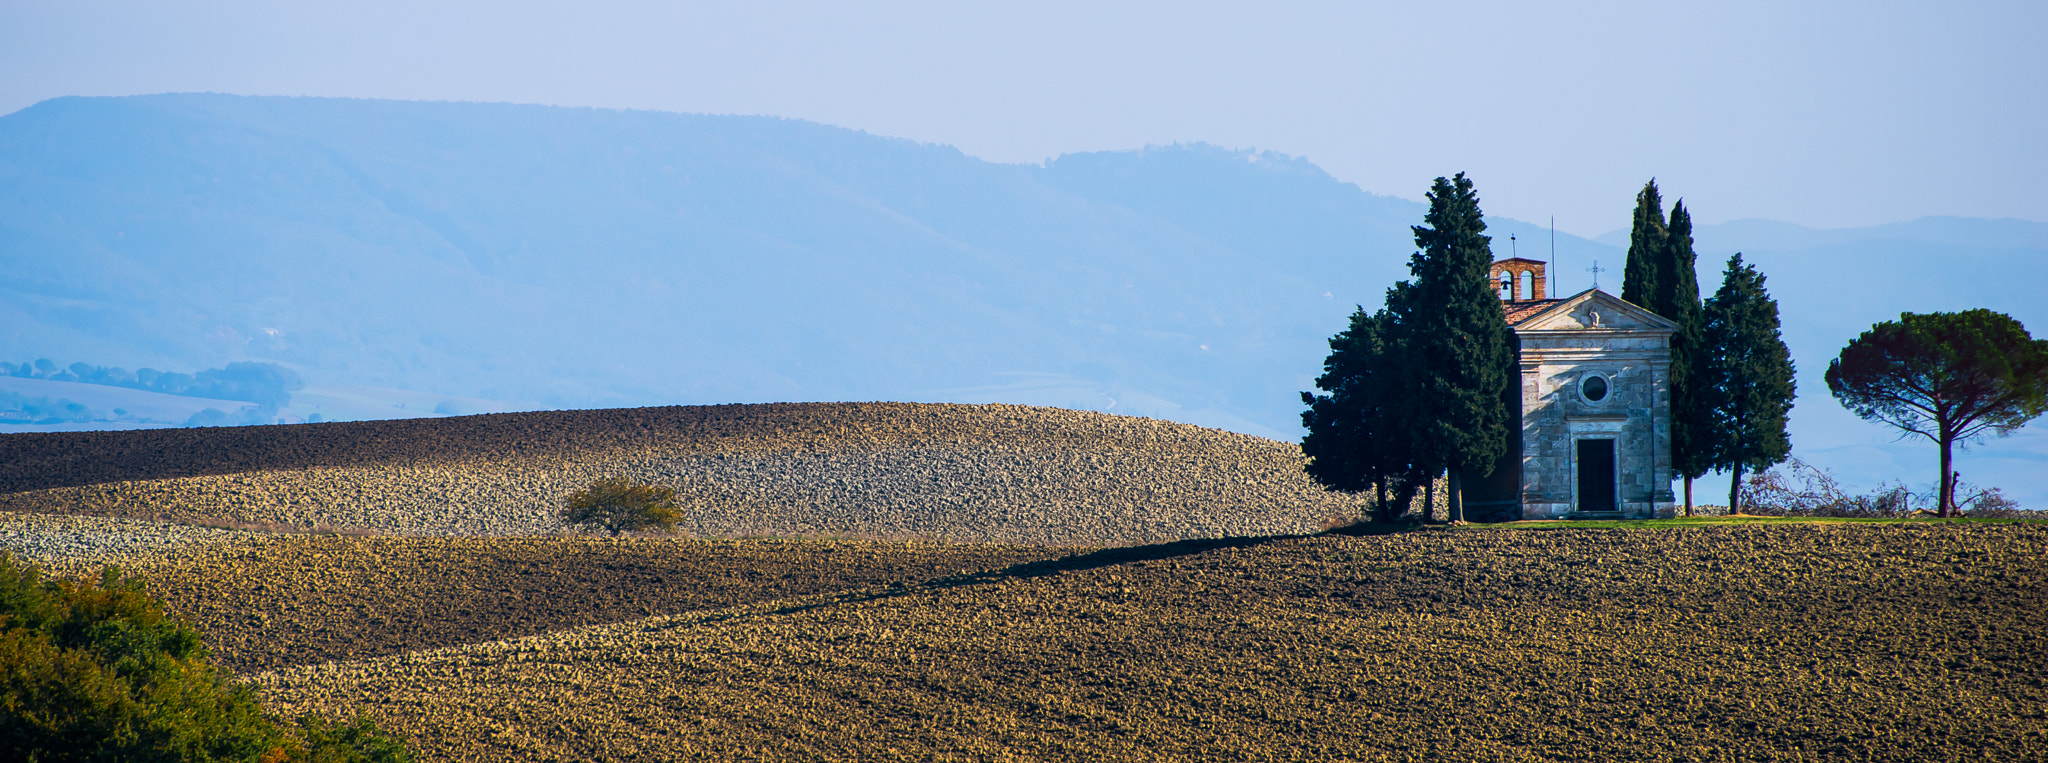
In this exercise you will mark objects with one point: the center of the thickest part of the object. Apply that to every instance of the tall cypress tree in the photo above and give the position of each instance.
(1647, 248)
(1661, 277)
(1747, 375)
(1454, 343)
(1678, 298)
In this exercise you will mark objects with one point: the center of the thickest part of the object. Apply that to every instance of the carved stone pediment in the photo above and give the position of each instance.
(1594, 310)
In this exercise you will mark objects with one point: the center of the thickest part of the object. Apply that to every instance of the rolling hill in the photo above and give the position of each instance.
(1139, 590)
(987, 473)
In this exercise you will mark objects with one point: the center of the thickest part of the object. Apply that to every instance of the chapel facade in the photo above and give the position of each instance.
(1593, 404)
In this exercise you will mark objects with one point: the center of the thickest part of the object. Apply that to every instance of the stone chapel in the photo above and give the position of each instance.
(1593, 404)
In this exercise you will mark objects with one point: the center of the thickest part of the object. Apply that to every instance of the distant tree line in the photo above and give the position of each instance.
(268, 385)
(17, 408)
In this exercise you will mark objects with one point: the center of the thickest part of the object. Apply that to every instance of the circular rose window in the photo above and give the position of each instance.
(1594, 387)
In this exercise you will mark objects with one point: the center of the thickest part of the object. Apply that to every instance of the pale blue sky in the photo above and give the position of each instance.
(1824, 114)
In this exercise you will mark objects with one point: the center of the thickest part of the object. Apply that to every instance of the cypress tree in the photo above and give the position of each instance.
(1351, 444)
(1647, 247)
(1747, 376)
(1358, 430)
(1661, 277)
(1678, 299)
(1453, 343)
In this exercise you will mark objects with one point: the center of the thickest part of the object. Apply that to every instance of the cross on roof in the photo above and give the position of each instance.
(1596, 270)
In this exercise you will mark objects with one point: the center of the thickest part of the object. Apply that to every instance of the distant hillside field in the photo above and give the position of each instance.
(992, 473)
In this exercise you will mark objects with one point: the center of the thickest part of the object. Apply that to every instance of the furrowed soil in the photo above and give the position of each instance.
(1785, 642)
(297, 600)
(982, 473)
(1136, 590)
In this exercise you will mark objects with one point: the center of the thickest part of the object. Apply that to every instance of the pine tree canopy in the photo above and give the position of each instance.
(1949, 377)
(1967, 374)
(1749, 372)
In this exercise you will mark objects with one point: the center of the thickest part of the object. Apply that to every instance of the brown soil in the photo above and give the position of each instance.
(41, 460)
(1883, 643)
(994, 473)
(299, 600)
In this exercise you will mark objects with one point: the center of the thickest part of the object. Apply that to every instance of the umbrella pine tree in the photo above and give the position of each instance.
(1949, 377)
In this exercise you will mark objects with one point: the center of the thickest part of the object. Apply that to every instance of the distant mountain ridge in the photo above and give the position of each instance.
(556, 257)
(1772, 235)
(572, 257)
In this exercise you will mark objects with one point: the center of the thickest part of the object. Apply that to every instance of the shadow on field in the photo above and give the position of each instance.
(1364, 528)
(1108, 557)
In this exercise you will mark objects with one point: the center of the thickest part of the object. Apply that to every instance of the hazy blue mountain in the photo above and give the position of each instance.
(573, 257)
(554, 257)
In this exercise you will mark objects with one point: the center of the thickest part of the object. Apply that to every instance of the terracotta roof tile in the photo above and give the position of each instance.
(1522, 310)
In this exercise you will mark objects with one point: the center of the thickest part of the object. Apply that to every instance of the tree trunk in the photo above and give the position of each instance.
(1379, 495)
(1947, 491)
(1457, 499)
(1735, 492)
(1429, 500)
(1688, 496)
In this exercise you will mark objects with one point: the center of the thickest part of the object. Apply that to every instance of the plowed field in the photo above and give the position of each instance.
(990, 473)
(296, 600)
(1138, 591)
(1896, 643)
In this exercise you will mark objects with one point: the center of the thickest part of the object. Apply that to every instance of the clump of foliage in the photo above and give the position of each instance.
(619, 506)
(98, 671)
(1351, 442)
(1949, 377)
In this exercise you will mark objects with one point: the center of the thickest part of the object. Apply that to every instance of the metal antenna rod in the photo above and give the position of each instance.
(1552, 267)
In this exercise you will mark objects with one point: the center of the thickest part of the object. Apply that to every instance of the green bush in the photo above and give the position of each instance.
(620, 506)
(98, 672)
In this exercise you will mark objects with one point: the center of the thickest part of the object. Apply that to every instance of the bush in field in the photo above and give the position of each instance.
(1803, 490)
(619, 506)
(97, 671)
(1799, 489)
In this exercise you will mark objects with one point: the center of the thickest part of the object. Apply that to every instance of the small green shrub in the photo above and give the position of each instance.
(619, 506)
(98, 671)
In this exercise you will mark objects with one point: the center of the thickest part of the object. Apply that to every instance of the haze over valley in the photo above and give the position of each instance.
(467, 257)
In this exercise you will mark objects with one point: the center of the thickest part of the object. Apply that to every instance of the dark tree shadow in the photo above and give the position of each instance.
(1366, 527)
